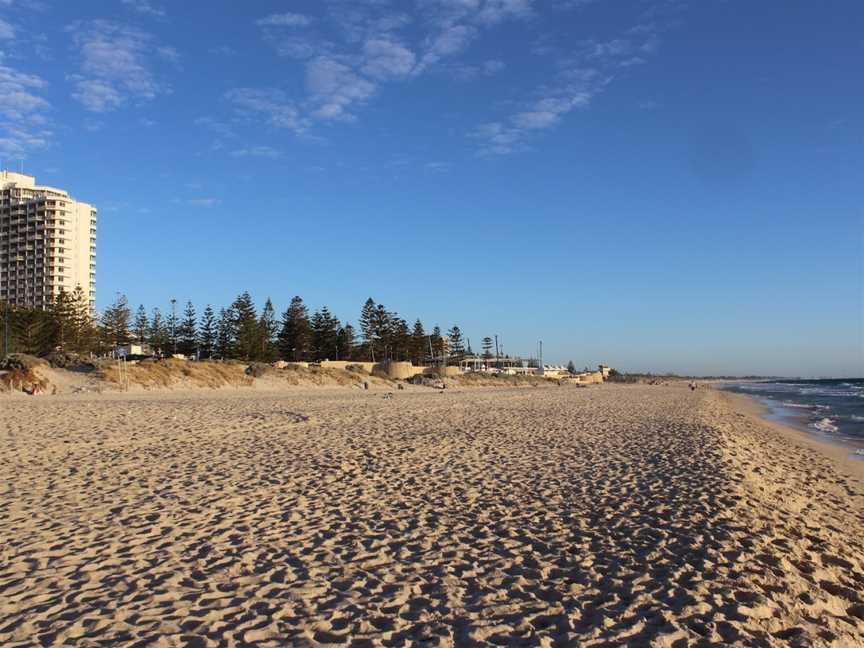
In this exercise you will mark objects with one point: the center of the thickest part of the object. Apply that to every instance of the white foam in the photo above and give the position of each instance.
(826, 425)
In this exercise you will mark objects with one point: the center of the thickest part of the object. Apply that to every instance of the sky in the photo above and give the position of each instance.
(654, 184)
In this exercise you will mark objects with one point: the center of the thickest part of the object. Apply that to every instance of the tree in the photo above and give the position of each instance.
(367, 327)
(345, 342)
(207, 333)
(399, 341)
(246, 332)
(487, 347)
(294, 337)
(325, 330)
(83, 335)
(267, 330)
(159, 338)
(437, 342)
(141, 325)
(418, 348)
(115, 322)
(382, 332)
(224, 334)
(171, 326)
(63, 315)
(188, 334)
(31, 331)
(457, 345)
(571, 368)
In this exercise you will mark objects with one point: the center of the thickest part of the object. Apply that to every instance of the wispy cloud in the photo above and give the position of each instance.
(215, 126)
(204, 202)
(333, 87)
(271, 104)
(7, 31)
(258, 151)
(469, 72)
(385, 59)
(116, 64)
(23, 113)
(285, 20)
(352, 49)
(145, 7)
(582, 75)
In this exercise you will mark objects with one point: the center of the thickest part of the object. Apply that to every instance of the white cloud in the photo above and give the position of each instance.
(115, 65)
(450, 41)
(144, 7)
(258, 151)
(437, 167)
(495, 11)
(582, 76)
(215, 126)
(204, 202)
(387, 59)
(333, 87)
(96, 96)
(284, 20)
(466, 72)
(7, 31)
(23, 113)
(269, 103)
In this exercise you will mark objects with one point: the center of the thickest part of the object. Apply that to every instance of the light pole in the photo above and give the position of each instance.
(174, 326)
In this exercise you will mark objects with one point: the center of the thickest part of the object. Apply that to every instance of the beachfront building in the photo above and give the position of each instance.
(493, 364)
(47, 243)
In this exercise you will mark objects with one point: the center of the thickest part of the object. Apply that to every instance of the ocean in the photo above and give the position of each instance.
(830, 409)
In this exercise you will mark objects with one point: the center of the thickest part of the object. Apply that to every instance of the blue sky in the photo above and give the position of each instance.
(655, 184)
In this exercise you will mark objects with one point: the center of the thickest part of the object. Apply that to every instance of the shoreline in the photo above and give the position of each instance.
(841, 453)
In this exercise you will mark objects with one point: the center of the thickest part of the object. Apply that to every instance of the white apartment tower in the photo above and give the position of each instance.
(47, 243)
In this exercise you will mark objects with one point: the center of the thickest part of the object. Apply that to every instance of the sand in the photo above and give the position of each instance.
(607, 516)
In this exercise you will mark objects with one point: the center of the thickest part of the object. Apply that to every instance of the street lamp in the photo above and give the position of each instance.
(173, 326)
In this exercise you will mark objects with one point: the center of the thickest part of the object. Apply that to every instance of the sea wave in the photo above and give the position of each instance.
(826, 425)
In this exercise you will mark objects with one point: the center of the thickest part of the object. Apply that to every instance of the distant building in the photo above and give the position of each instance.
(47, 243)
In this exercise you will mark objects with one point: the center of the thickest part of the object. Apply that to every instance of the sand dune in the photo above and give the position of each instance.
(537, 517)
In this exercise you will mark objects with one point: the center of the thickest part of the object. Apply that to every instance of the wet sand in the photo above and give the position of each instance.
(607, 516)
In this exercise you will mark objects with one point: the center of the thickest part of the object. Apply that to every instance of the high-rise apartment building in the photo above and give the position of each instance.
(47, 243)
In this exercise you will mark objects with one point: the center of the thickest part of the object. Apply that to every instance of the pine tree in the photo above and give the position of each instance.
(400, 339)
(63, 316)
(382, 333)
(172, 324)
(115, 322)
(367, 327)
(141, 325)
(457, 345)
(294, 336)
(345, 342)
(246, 335)
(325, 330)
(207, 333)
(159, 338)
(83, 333)
(267, 331)
(571, 367)
(487, 347)
(188, 333)
(418, 347)
(225, 334)
(32, 331)
(437, 342)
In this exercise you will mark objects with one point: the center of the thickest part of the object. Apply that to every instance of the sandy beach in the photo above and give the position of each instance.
(551, 516)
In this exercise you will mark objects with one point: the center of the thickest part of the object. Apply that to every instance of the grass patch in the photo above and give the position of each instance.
(155, 374)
